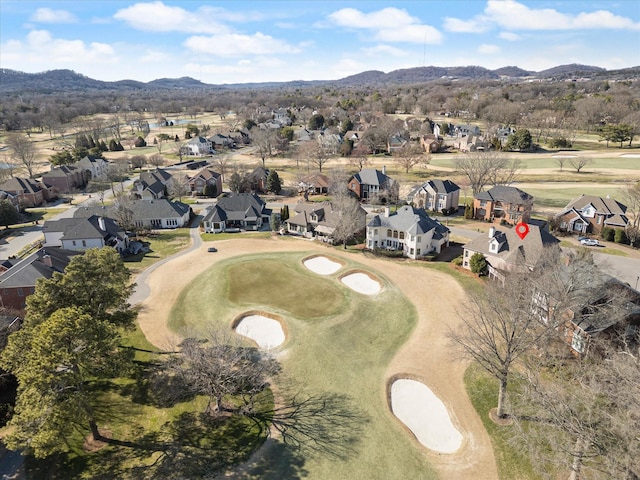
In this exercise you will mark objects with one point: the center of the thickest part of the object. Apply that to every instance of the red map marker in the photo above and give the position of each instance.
(522, 229)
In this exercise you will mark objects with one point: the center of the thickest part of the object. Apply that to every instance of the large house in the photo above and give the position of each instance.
(503, 204)
(97, 167)
(319, 220)
(198, 146)
(80, 234)
(30, 193)
(504, 250)
(370, 183)
(590, 214)
(152, 185)
(235, 212)
(410, 230)
(437, 195)
(65, 178)
(198, 183)
(19, 281)
(314, 184)
(153, 214)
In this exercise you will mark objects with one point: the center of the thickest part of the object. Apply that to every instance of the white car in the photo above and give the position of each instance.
(589, 242)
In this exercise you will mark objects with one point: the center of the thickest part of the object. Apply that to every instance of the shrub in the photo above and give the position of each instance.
(478, 264)
(140, 142)
(559, 142)
(620, 236)
(607, 234)
(457, 261)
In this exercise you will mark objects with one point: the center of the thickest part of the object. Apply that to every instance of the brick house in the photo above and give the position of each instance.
(65, 179)
(370, 183)
(30, 193)
(590, 214)
(503, 204)
(200, 180)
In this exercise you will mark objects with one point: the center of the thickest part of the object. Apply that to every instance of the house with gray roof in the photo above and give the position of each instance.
(590, 214)
(503, 204)
(409, 229)
(370, 183)
(152, 185)
(83, 233)
(198, 146)
(197, 184)
(150, 214)
(97, 167)
(65, 178)
(19, 281)
(504, 250)
(30, 193)
(235, 212)
(320, 220)
(436, 195)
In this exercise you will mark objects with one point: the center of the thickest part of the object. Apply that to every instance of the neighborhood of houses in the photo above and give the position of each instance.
(412, 229)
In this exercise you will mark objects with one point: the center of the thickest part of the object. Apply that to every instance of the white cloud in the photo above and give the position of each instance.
(346, 67)
(41, 51)
(477, 24)
(48, 15)
(379, 50)
(510, 36)
(388, 25)
(514, 15)
(154, 56)
(237, 45)
(488, 49)
(158, 17)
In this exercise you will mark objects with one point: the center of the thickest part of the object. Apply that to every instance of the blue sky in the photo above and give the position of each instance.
(255, 41)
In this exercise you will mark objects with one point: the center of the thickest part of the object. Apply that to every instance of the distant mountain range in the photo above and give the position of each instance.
(52, 81)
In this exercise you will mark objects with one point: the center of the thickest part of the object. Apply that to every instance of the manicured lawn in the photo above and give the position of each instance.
(345, 353)
(560, 197)
(512, 463)
(162, 244)
(536, 160)
(210, 237)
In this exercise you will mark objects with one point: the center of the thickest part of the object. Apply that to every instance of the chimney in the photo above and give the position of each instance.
(101, 224)
(386, 212)
(492, 232)
(384, 169)
(46, 259)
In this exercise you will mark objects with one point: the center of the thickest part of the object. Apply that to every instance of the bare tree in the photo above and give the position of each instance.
(263, 139)
(315, 153)
(579, 162)
(359, 161)
(486, 168)
(23, 151)
(99, 185)
(352, 218)
(122, 211)
(177, 188)
(411, 155)
(138, 161)
(222, 161)
(560, 160)
(156, 160)
(631, 198)
(581, 416)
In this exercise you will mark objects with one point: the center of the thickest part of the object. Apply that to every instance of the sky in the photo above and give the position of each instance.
(243, 41)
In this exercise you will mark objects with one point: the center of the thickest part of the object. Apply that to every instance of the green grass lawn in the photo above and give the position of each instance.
(536, 160)
(162, 244)
(560, 197)
(344, 353)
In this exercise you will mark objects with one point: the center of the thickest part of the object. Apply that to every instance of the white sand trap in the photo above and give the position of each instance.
(630, 155)
(266, 332)
(322, 265)
(563, 156)
(362, 283)
(418, 408)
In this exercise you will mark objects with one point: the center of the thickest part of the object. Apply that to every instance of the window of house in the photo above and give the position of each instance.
(418, 252)
(418, 239)
(411, 251)
(466, 254)
(20, 292)
(578, 341)
(599, 221)
(84, 243)
(353, 186)
(401, 235)
(395, 234)
(389, 233)
(375, 231)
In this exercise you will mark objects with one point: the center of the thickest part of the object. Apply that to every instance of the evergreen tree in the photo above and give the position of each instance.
(273, 182)
(478, 264)
(8, 213)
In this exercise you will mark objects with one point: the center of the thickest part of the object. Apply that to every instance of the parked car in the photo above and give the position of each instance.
(590, 242)
(212, 249)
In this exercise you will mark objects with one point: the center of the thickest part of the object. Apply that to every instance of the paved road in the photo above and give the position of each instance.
(141, 290)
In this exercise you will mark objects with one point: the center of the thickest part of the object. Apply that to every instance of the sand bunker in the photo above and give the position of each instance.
(362, 283)
(563, 156)
(322, 265)
(631, 155)
(425, 415)
(266, 332)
